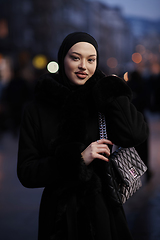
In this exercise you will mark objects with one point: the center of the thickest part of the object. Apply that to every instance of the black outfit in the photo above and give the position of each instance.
(56, 128)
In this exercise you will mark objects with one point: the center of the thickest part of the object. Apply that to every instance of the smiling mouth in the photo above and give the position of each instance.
(81, 75)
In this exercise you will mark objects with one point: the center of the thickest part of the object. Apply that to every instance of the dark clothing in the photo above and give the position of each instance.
(55, 129)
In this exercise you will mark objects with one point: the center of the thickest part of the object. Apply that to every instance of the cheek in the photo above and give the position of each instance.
(67, 68)
(92, 69)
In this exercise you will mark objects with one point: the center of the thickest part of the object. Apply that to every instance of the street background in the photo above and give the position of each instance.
(31, 31)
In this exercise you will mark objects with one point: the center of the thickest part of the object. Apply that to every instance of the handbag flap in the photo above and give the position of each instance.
(128, 163)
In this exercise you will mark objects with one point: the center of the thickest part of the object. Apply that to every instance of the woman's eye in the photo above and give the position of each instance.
(74, 58)
(91, 60)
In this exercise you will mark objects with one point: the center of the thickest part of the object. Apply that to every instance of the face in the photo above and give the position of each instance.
(80, 62)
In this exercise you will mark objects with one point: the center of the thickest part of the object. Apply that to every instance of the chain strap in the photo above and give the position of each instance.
(102, 126)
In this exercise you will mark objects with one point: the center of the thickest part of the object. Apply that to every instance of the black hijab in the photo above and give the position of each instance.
(67, 43)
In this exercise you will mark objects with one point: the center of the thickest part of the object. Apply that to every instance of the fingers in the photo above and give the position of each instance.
(104, 141)
(102, 157)
(98, 149)
(102, 148)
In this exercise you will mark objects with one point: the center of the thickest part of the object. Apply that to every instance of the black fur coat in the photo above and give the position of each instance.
(55, 129)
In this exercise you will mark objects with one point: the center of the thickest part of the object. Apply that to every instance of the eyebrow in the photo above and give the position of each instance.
(92, 55)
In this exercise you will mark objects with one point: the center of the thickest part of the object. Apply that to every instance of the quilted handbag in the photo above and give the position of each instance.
(123, 171)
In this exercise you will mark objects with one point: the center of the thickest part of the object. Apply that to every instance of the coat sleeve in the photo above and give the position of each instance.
(125, 125)
(39, 168)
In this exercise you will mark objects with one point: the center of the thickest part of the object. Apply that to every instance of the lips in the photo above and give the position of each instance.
(81, 75)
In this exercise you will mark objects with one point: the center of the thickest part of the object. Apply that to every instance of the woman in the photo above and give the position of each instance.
(58, 147)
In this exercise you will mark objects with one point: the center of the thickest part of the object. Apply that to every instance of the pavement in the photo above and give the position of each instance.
(143, 209)
(19, 206)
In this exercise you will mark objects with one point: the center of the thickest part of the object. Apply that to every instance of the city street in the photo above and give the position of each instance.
(19, 206)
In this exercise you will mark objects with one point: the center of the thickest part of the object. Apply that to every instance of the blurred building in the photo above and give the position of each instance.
(113, 34)
(31, 27)
(38, 27)
(142, 27)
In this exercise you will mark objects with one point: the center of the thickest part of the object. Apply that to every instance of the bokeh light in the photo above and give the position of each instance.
(39, 61)
(141, 49)
(1, 57)
(136, 57)
(3, 28)
(155, 68)
(52, 67)
(125, 76)
(148, 55)
(112, 62)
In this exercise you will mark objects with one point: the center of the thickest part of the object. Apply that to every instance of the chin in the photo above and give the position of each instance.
(79, 81)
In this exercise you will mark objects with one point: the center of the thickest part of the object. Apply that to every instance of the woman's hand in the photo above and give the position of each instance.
(95, 150)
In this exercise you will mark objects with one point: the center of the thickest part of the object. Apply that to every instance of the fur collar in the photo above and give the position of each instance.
(104, 89)
(50, 90)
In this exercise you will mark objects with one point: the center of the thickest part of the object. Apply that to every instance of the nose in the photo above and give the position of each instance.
(82, 64)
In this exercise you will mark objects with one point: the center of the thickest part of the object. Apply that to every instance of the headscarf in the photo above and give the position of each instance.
(67, 43)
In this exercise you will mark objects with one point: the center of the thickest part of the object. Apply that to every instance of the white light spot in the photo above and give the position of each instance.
(52, 67)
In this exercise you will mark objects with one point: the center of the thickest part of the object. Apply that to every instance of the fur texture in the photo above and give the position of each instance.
(108, 89)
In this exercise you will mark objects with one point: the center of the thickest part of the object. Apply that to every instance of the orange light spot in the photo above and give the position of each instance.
(155, 68)
(3, 28)
(125, 76)
(141, 49)
(1, 57)
(112, 62)
(136, 57)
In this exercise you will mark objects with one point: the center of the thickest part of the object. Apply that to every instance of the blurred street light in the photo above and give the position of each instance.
(136, 57)
(125, 76)
(140, 49)
(39, 61)
(112, 62)
(3, 28)
(52, 67)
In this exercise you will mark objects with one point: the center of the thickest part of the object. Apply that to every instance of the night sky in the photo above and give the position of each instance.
(148, 9)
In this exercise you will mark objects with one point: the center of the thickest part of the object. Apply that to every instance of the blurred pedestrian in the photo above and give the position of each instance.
(155, 93)
(14, 97)
(59, 150)
(6, 74)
